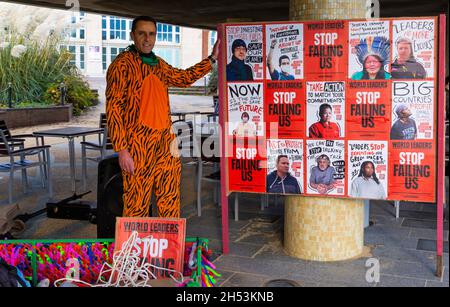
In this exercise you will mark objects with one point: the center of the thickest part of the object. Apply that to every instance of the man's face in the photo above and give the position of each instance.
(373, 65)
(144, 36)
(283, 165)
(368, 170)
(285, 65)
(240, 53)
(326, 115)
(323, 164)
(404, 51)
(405, 113)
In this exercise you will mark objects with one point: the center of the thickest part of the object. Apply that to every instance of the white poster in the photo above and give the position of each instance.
(284, 166)
(412, 110)
(367, 169)
(284, 50)
(369, 50)
(413, 49)
(325, 107)
(244, 53)
(246, 109)
(325, 167)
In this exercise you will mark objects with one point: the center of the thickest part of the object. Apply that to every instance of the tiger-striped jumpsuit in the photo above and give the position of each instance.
(138, 119)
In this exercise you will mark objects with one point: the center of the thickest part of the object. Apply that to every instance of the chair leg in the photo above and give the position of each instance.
(264, 201)
(41, 169)
(83, 167)
(199, 188)
(49, 178)
(24, 176)
(236, 206)
(10, 185)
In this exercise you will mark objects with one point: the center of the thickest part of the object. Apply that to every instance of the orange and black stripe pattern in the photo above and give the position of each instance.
(138, 116)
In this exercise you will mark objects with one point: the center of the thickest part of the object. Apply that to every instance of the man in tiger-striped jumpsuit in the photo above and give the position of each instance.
(139, 124)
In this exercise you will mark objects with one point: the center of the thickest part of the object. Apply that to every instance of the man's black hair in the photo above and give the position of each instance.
(142, 18)
(323, 107)
(245, 114)
(281, 156)
(284, 57)
(374, 175)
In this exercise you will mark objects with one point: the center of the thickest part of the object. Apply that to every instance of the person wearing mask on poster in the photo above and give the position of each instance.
(367, 185)
(405, 65)
(284, 62)
(322, 176)
(324, 128)
(280, 181)
(405, 127)
(373, 53)
(237, 70)
(245, 127)
(139, 124)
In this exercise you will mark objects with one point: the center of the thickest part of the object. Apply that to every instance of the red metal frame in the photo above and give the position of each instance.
(441, 148)
(223, 157)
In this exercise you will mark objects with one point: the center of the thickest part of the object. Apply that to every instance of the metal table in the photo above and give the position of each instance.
(70, 133)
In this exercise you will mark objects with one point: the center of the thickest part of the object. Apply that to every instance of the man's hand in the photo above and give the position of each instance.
(215, 51)
(273, 44)
(126, 162)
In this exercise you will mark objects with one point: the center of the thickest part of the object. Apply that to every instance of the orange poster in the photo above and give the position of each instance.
(326, 50)
(412, 171)
(285, 111)
(247, 164)
(161, 241)
(368, 110)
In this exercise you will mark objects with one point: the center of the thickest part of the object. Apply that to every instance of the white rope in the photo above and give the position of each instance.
(128, 269)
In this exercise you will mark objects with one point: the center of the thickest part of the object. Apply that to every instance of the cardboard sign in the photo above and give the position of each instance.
(161, 241)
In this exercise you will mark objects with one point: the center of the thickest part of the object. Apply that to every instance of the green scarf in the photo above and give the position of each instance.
(151, 59)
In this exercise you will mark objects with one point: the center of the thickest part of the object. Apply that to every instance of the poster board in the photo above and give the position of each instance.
(161, 241)
(346, 89)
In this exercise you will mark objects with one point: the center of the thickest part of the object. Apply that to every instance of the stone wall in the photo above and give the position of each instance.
(25, 117)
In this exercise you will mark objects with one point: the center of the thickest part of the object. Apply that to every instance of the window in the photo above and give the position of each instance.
(113, 53)
(77, 55)
(103, 27)
(170, 55)
(72, 51)
(213, 37)
(168, 33)
(104, 58)
(81, 57)
(77, 29)
(117, 28)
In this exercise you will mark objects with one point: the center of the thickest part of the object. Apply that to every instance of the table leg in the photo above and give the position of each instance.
(72, 163)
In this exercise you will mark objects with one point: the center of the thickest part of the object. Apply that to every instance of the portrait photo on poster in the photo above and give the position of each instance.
(370, 49)
(284, 166)
(413, 49)
(244, 53)
(325, 107)
(367, 169)
(412, 110)
(325, 167)
(284, 49)
(246, 109)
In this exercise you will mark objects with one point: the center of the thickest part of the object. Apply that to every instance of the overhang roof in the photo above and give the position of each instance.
(207, 14)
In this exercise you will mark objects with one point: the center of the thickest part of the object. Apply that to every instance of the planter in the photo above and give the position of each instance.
(26, 117)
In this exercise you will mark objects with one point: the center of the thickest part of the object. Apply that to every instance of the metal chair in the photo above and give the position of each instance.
(104, 144)
(18, 161)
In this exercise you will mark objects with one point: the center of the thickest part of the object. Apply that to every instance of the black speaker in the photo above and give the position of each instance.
(109, 196)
